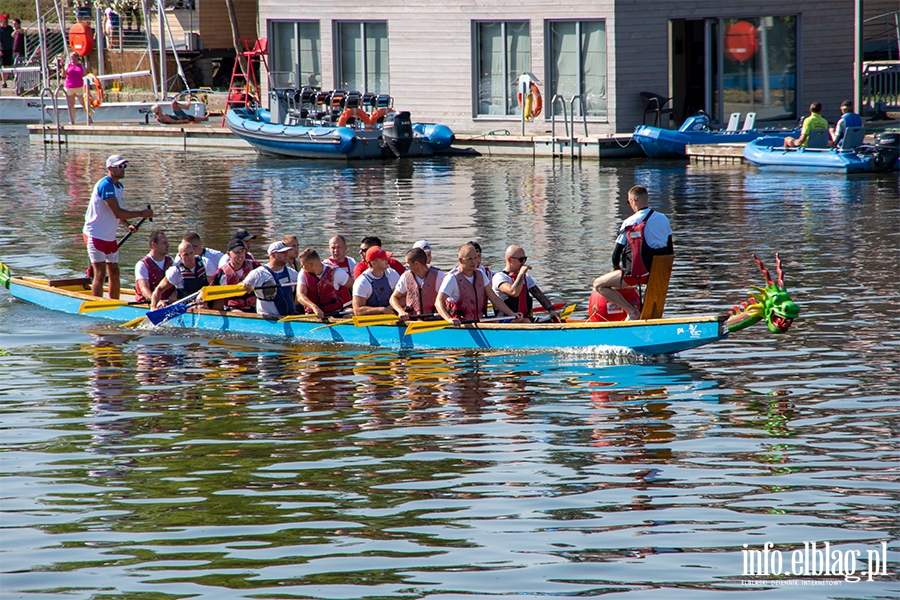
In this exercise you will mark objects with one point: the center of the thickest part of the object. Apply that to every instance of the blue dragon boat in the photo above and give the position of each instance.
(336, 124)
(770, 153)
(669, 143)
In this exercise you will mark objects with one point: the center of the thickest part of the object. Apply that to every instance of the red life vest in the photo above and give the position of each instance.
(524, 303)
(420, 299)
(345, 265)
(228, 276)
(321, 290)
(637, 255)
(155, 276)
(472, 300)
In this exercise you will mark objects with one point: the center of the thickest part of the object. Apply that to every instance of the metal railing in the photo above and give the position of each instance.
(562, 102)
(580, 98)
(881, 85)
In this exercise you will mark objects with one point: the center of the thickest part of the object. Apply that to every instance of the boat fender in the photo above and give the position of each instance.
(92, 82)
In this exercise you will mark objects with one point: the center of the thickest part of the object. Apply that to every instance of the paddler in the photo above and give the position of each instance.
(643, 235)
(276, 280)
(464, 293)
(185, 277)
(319, 289)
(337, 245)
(235, 270)
(104, 215)
(515, 287)
(150, 271)
(368, 242)
(373, 287)
(417, 290)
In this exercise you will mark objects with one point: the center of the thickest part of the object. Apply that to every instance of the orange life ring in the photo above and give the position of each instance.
(361, 116)
(538, 102)
(378, 116)
(91, 82)
(81, 39)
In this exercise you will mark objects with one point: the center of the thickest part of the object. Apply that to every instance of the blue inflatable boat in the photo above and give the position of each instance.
(669, 143)
(770, 153)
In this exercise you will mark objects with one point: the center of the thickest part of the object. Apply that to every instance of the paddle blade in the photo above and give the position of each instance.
(167, 312)
(567, 312)
(343, 322)
(134, 322)
(366, 320)
(425, 326)
(222, 292)
(4, 275)
(96, 305)
(306, 318)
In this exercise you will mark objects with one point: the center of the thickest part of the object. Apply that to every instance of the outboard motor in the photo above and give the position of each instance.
(699, 122)
(887, 150)
(398, 132)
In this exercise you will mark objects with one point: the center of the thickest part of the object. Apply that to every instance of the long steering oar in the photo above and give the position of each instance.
(136, 227)
(223, 292)
(425, 326)
(166, 312)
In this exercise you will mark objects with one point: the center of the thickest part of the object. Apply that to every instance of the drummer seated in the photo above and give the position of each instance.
(179, 117)
(319, 289)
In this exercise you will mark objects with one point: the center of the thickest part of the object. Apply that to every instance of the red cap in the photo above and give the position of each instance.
(376, 252)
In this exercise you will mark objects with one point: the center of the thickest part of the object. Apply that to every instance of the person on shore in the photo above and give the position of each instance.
(425, 247)
(102, 218)
(211, 258)
(320, 285)
(6, 45)
(416, 292)
(516, 288)
(643, 235)
(292, 241)
(848, 119)
(371, 241)
(245, 237)
(236, 268)
(74, 85)
(150, 271)
(19, 36)
(463, 294)
(373, 287)
(185, 277)
(179, 117)
(111, 28)
(813, 122)
(337, 245)
(273, 283)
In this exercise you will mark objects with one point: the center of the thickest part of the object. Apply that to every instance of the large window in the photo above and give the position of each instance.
(758, 58)
(294, 49)
(576, 64)
(361, 55)
(502, 53)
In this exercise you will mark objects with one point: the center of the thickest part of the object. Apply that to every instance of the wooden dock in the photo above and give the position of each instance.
(721, 154)
(211, 135)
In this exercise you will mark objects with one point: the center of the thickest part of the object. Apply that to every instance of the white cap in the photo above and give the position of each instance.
(115, 161)
(278, 247)
(423, 245)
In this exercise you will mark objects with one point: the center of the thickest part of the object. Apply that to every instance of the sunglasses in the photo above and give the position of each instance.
(521, 259)
(363, 250)
(120, 166)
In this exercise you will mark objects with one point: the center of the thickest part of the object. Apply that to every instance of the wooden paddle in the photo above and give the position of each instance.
(311, 317)
(223, 292)
(97, 305)
(425, 326)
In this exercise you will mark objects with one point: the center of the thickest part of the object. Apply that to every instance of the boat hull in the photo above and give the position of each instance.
(653, 337)
(669, 143)
(769, 153)
(318, 142)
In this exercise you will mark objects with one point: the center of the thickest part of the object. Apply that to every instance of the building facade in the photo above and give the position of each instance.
(456, 61)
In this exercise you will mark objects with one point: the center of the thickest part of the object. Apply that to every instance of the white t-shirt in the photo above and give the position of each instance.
(174, 276)
(362, 287)
(141, 271)
(450, 287)
(99, 220)
(212, 258)
(350, 263)
(656, 231)
(502, 277)
(207, 264)
(225, 258)
(340, 278)
(259, 277)
(401, 285)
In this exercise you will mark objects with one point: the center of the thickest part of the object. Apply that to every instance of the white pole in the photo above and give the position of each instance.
(144, 13)
(42, 36)
(163, 76)
(101, 42)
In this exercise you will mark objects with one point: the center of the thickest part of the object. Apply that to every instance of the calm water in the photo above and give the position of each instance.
(158, 464)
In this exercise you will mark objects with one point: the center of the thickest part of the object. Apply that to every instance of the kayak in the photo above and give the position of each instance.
(646, 337)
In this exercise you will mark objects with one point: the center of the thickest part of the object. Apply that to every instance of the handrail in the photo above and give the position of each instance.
(562, 101)
(49, 93)
(580, 98)
(56, 113)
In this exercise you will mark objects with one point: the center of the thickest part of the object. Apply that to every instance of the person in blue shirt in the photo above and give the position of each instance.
(848, 119)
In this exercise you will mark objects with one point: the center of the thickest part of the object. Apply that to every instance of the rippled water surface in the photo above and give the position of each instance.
(162, 464)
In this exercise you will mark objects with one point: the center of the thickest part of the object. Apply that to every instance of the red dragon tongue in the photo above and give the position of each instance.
(780, 272)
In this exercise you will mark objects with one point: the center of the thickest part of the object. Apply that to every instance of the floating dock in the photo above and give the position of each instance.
(208, 135)
(721, 154)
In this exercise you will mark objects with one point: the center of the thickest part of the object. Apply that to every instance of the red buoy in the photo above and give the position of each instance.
(81, 39)
(599, 310)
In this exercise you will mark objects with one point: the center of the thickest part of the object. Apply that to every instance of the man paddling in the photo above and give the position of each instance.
(515, 287)
(337, 245)
(103, 216)
(373, 287)
(371, 241)
(416, 292)
(464, 293)
(239, 265)
(643, 235)
(320, 285)
(185, 277)
(277, 280)
(151, 270)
